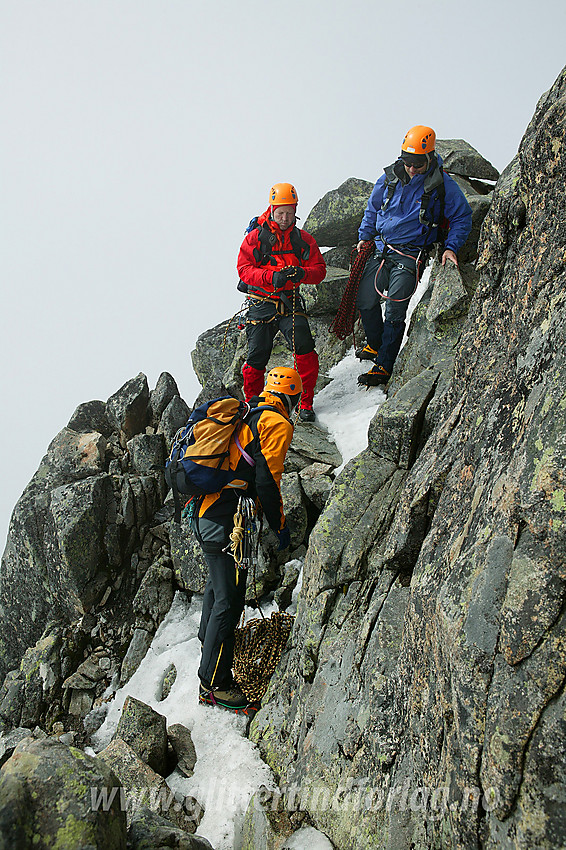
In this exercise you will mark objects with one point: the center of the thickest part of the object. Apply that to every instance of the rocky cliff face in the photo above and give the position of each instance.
(421, 703)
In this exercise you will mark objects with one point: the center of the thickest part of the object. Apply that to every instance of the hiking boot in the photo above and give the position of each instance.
(376, 375)
(366, 353)
(306, 414)
(230, 698)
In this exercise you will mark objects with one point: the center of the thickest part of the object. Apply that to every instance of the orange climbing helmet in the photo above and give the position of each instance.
(419, 140)
(283, 379)
(283, 194)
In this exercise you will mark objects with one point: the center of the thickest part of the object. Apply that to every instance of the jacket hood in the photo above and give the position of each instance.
(267, 397)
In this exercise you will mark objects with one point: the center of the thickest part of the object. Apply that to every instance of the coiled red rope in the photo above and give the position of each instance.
(343, 324)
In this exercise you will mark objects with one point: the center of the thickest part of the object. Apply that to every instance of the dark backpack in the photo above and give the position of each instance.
(199, 462)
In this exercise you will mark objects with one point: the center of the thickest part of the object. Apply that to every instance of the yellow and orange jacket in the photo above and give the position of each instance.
(266, 438)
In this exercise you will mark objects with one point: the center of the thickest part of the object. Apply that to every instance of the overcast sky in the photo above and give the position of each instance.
(140, 136)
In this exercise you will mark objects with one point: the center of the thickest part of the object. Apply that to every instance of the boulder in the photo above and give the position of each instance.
(449, 297)
(128, 408)
(191, 570)
(165, 391)
(154, 597)
(72, 456)
(137, 649)
(169, 679)
(214, 351)
(395, 429)
(293, 506)
(265, 827)
(359, 503)
(325, 298)
(316, 483)
(479, 204)
(284, 592)
(311, 443)
(52, 795)
(335, 219)
(181, 740)
(459, 157)
(145, 731)
(173, 417)
(10, 740)
(150, 831)
(337, 257)
(80, 514)
(90, 416)
(142, 789)
(147, 453)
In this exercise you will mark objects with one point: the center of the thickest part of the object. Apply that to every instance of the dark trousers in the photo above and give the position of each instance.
(263, 322)
(397, 277)
(223, 603)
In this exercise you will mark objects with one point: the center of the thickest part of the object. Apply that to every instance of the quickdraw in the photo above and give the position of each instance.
(241, 546)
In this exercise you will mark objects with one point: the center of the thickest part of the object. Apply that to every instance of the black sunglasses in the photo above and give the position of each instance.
(414, 161)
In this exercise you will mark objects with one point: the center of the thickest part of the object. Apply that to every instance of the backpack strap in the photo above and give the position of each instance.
(301, 248)
(433, 184)
(264, 253)
(391, 180)
(175, 491)
(266, 240)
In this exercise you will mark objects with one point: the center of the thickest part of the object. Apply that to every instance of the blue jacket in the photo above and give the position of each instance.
(400, 224)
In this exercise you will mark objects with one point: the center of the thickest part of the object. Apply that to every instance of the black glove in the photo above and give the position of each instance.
(242, 287)
(294, 273)
(298, 274)
(284, 538)
(280, 278)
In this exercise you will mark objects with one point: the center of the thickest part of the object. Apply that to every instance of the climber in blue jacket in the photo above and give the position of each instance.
(407, 212)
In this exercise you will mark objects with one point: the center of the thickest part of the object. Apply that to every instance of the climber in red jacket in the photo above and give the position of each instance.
(275, 257)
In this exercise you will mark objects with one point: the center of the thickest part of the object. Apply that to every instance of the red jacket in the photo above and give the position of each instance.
(259, 276)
